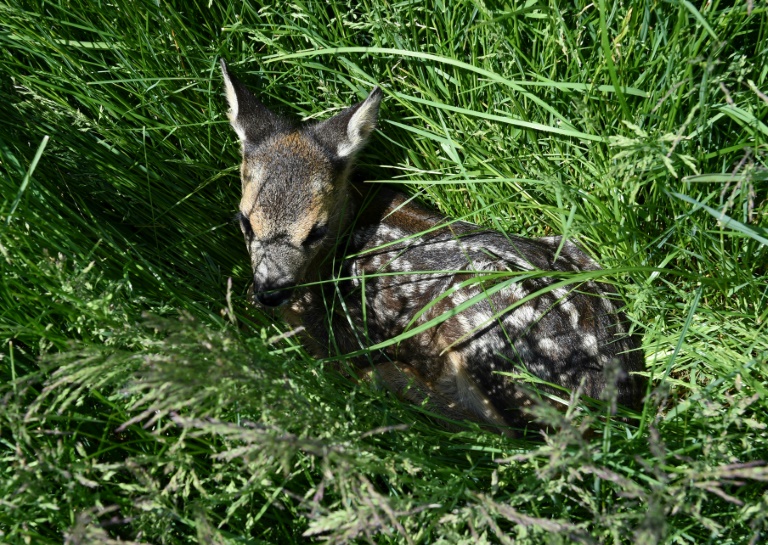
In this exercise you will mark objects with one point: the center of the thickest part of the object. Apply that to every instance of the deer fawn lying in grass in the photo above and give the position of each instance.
(359, 267)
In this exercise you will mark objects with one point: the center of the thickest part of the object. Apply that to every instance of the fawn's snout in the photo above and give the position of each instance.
(273, 296)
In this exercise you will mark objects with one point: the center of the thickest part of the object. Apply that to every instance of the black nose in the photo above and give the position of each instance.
(274, 297)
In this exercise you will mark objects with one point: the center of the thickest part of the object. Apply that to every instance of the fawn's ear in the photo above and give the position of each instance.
(347, 133)
(251, 120)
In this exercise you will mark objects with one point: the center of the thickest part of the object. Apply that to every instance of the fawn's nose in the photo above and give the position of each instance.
(274, 297)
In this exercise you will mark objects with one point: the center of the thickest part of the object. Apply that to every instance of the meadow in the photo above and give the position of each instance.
(144, 399)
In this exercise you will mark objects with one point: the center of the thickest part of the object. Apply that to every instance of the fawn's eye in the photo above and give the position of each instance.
(317, 233)
(245, 225)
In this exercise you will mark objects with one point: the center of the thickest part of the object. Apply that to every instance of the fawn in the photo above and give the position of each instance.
(356, 267)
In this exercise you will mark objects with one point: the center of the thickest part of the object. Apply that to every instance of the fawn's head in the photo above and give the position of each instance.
(294, 181)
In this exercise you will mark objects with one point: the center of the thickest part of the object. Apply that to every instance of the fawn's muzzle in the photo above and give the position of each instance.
(274, 297)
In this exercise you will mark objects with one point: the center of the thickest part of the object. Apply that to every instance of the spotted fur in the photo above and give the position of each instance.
(358, 267)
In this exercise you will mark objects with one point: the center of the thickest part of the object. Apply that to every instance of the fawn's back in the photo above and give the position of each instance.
(470, 306)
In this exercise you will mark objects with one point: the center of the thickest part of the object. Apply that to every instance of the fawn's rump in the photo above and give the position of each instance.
(495, 312)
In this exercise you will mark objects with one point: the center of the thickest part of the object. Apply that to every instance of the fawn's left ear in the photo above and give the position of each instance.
(251, 120)
(347, 133)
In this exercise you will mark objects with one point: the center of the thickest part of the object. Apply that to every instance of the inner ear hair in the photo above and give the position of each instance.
(361, 125)
(346, 133)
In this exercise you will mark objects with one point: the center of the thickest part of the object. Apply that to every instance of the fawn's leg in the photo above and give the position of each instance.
(402, 380)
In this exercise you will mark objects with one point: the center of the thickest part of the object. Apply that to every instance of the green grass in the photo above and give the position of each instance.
(139, 398)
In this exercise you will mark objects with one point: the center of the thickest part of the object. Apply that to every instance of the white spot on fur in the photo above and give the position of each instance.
(463, 320)
(607, 305)
(560, 293)
(573, 313)
(514, 291)
(589, 343)
(355, 274)
(548, 346)
(521, 317)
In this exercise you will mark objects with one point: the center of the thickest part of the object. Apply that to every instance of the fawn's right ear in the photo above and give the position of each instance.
(251, 120)
(347, 132)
